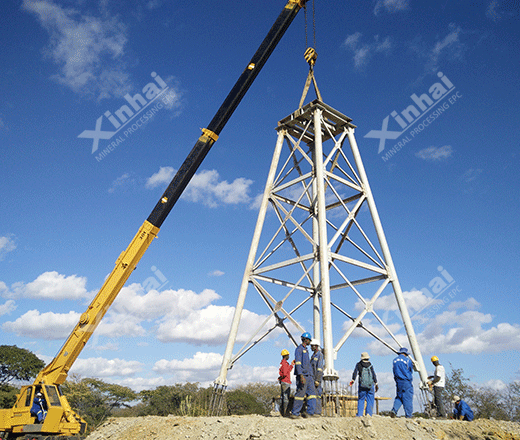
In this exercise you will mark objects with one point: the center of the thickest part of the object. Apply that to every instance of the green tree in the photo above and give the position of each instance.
(179, 399)
(95, 400)
(263, 393)
(456, 385)
(488, 403)
(161, 401)
(512, 401)
(239, 402)
(18, 364)
(7, 396)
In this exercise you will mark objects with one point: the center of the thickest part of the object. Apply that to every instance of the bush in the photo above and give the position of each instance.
(239, 402)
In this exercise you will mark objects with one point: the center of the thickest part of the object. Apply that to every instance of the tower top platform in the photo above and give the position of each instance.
(334, 122)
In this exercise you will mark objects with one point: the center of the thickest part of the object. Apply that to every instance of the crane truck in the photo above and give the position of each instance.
(61, 421)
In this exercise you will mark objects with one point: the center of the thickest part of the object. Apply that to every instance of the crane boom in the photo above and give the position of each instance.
(61, 420)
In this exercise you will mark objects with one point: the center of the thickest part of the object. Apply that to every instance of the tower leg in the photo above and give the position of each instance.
(421, 368)
(331, 403)
(221, 381)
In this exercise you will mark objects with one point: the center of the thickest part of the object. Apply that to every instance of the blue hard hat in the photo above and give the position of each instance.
(403, 350)
(306, 335)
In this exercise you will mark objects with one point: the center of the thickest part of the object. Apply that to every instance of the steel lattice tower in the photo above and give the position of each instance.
(328, 250)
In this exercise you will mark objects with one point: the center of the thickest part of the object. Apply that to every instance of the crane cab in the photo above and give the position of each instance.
(59, 420)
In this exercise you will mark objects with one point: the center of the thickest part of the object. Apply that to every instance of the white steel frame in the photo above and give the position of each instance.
(305, 193)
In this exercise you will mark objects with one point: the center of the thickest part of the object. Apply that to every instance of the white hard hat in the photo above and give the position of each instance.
(315, 342)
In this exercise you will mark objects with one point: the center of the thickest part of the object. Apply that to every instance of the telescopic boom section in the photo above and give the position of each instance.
(56, 372)
(211, 133)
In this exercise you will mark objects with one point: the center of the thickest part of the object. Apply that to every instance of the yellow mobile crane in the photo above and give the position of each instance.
(61, 421)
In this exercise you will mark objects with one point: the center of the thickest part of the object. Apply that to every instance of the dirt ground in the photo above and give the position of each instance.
(255, 427)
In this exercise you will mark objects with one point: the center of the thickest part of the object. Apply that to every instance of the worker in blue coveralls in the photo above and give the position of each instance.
(403, 376)
(304, 380)
(461, 411)
(39, 407)
(317, 372)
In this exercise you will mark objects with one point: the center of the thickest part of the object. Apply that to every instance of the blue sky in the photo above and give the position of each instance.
(447, 188)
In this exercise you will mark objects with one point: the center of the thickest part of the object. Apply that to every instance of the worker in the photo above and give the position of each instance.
(367, 384)
(438, 381)
(461, 410)
(284, 380)
(304, 380)
(403, 376)
(39, 407)
(317, 372)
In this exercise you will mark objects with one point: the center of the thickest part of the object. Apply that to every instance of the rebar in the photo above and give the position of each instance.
(217, 400)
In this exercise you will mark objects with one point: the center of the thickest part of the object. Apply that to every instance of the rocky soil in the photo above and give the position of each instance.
(254, 427)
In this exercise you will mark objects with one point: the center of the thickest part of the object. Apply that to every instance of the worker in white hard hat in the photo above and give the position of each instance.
(284, 379)
(438, 382)
(317, 364)
(39, 407)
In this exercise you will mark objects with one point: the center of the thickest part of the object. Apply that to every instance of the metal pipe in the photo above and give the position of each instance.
(324, 252)
(388, 258)
(222, 379)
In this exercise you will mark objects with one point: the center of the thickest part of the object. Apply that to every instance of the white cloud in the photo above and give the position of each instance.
(352, 41)
(49, 326)
(435, 153)
(216, 273)
(154, 4)
(205, 367)
(101, 367)
(194, 328)
(7, 244)
(176, 316)
(202, 368)
(160, 178)
(494, 384)
(449, 48)
(471, 175)
(469, 304)
(206, 187)
(390, 6)
(171, 100)
(199, 361)
(374, 326)
(7, 307)
(242, 374)
(141, 383)
(363, 52)
(133, 301)
(115, 325)
(133, 306)
(89, 50)
(461, 329)
(415, 300)
(50, 285)
(121, 183)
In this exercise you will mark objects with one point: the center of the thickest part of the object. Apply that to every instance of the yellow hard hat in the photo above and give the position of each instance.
(435, 358)
(285, 352)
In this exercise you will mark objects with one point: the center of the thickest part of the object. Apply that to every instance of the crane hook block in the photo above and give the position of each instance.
(310, 56)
